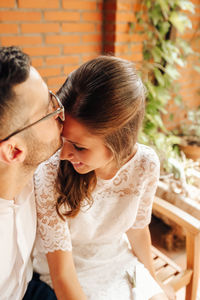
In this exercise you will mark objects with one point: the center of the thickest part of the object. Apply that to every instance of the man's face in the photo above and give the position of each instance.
(42, 139)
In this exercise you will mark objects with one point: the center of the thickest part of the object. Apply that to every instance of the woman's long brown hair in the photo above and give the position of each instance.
(106, 95)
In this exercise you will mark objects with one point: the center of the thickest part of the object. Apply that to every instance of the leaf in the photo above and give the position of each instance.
(159, 77)
(157, 54)
(184, 46)
(162, 94)
(156, 15)
(172, 72)
(164, 28)
(186, 5)
(151, 88)
(160, 140)
(147, 54)
(180, 21)
(164, 7)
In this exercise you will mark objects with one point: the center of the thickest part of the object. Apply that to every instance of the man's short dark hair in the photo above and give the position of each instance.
(14, 69)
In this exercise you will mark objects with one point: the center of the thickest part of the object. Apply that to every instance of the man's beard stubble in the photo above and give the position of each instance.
(39, 151)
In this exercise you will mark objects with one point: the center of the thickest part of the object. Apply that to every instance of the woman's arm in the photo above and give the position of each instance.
(140, 241)
(64, 277)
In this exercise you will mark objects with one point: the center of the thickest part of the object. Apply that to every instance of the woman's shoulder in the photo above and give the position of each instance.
(145, 161)
(147, 153)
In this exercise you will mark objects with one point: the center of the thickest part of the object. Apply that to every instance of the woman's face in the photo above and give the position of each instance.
(85, 151)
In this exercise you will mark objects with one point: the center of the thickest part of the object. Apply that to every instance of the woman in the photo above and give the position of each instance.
(93, 216)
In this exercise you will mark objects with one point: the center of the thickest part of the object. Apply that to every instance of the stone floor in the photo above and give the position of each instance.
(157, 228)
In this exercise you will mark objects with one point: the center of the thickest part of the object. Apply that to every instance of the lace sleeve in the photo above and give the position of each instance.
(52, 232)
(144, 212)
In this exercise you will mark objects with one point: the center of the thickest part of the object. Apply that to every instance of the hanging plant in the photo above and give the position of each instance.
(162, 53)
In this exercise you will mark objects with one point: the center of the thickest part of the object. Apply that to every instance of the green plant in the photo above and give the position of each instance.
(162, 53)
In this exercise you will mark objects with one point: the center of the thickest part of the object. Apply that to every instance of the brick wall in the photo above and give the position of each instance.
(59, 35)
(120, 38)
(125, 41)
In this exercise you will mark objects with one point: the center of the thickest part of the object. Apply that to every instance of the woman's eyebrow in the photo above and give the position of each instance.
(75, 143)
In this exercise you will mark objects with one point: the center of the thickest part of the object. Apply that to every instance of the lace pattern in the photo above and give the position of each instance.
(53, 233)
(97, 233)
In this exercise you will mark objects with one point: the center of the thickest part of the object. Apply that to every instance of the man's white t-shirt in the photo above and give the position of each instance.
(17, 236)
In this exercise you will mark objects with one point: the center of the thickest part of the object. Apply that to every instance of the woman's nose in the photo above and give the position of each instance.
(67, 151)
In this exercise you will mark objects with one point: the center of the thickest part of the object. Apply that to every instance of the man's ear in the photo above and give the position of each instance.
(12, 152)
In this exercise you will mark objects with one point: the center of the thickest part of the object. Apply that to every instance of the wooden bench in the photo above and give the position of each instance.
(167, 270)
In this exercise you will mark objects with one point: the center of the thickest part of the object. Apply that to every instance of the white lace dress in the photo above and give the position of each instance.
(97, 235)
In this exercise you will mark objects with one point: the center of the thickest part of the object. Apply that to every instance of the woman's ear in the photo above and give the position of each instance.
(12, 152)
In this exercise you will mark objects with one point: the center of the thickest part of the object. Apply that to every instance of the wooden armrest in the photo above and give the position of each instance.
(188, 222)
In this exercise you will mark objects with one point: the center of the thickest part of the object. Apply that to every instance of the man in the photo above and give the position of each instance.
(29, 134)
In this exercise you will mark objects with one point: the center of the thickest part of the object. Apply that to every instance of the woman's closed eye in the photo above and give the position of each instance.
(78, 148)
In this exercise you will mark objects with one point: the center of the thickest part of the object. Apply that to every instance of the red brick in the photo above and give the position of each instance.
(37, 62)
(98, 27)
(125, 17)
(42, 51)
(19, 16)
(88, 57)
(7, 3)
(138, 7)
(126, 56)
(137, 37)
(93, 38)
(121, 6)
(123, 37)
(69, 69)
(78, 27)
(109, 28)
(121, 48)
(92, 16)
(8, 28)
(110, 16)
(110, 6)
(62, 60)
(122, 27)
(137, 57)
(83, 5)
(62, 16)
(110, 37)
(46, 72)
(38, 4)
(40, 27)
(20, 40)
(82, 49)
(56, 81)
(100, 6)
(62, 39)
(137, 47)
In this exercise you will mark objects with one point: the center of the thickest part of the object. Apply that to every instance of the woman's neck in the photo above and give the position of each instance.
(110, 170)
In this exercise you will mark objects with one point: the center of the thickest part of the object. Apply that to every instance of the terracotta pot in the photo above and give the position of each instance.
(191, 151)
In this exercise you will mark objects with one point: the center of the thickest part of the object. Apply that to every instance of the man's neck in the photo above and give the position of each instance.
(12, 181)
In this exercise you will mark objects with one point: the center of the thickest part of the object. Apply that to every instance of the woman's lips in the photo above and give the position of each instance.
(77, 164)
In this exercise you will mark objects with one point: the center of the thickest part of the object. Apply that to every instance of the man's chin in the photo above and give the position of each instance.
(39, 154)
